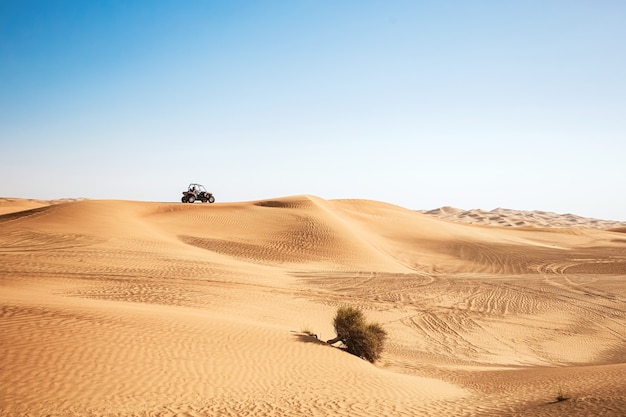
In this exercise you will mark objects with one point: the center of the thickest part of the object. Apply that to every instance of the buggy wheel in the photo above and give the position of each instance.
(211, 199)
(184, 199)
(191, 198)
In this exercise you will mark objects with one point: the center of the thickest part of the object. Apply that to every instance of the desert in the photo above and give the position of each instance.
(134, 308)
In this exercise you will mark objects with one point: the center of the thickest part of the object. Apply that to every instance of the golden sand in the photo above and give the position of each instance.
(123, 308)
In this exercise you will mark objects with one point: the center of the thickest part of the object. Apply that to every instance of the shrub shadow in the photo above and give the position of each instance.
(307, 338)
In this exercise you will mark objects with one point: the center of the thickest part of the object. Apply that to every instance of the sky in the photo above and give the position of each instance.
(422, 104)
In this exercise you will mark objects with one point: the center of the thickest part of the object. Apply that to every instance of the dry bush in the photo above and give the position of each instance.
(365, 340)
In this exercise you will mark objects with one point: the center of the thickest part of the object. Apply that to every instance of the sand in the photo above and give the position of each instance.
(522, 218)
(126, 308)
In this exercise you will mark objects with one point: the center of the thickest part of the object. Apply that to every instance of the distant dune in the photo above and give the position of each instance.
(521, 218)
(10, 205)
(127, 308)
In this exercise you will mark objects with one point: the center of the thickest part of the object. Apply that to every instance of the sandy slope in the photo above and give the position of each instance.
(131, 308)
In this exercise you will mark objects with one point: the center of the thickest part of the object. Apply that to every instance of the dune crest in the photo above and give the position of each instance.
(134, 308)
(521, 218)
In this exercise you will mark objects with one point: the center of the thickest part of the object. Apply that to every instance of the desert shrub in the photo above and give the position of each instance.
(347, 320)
(365, 340)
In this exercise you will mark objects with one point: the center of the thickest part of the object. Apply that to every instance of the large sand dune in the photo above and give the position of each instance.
(123, 308)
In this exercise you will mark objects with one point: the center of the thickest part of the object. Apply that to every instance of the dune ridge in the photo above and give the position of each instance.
(125, 308)
(521, 218)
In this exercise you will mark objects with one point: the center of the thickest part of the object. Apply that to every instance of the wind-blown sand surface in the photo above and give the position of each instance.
(521, 218)
(121, 308)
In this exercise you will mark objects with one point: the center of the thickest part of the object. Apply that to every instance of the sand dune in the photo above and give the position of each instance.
(521, 218)
(123, 308)
(11, 205)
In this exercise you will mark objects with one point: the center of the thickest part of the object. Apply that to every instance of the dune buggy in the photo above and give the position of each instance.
(197, 192)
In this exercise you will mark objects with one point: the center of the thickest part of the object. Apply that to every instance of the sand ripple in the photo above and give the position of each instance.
(119, 308)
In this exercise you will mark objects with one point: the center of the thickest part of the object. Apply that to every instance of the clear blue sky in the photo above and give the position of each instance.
(473, 104)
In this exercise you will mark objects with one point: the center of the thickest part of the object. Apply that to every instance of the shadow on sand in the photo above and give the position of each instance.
(307, 338)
